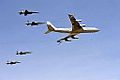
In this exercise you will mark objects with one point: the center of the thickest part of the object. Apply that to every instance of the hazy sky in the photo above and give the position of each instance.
(95, 56)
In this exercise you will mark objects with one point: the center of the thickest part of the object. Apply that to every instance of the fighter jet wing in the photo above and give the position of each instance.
(25, 14)
(75, 24)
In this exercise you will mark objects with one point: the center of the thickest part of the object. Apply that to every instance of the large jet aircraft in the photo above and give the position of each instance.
(26, 12)
(12, 62)
(33, 23)
(75, 30)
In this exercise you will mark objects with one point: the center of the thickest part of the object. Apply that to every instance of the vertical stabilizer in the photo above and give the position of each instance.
(50, 27)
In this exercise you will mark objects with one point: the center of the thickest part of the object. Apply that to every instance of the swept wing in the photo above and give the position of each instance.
(74, 22)
(71, 35)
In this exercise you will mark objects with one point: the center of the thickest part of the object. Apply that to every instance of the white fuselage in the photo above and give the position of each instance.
(69, 30)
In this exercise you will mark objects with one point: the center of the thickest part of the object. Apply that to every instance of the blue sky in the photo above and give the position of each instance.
(93, 57)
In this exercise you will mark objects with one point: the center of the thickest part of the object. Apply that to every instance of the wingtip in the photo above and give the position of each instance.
(48, 22)
(70, 14)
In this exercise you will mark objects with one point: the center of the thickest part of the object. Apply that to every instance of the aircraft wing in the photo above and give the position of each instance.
(74, 22)
(66, 38)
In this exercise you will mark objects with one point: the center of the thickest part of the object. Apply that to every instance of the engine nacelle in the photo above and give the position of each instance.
(73, 37)
(66, 39)
(78, 20)
(82, 25)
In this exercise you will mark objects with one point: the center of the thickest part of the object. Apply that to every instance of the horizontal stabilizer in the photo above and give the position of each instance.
(50, 27)
(48, 32)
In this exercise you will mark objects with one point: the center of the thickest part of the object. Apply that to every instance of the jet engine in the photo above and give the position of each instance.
(73, 37)
(78, 20)
(66, 39)
(82, 25)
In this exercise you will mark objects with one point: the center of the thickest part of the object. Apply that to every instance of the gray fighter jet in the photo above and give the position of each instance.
(22, 53)
(33, 23)
(75, 30)
(26, 12)
(12, 62)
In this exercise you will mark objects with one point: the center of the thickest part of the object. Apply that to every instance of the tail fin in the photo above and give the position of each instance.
(27, 20)
(20, 12)
(50, 27)
(27, 23)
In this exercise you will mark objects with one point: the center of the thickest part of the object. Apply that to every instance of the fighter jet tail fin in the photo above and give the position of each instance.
(50, 27)
(20, 12)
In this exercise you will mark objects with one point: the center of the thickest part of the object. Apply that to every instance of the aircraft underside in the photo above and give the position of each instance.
(78, 31)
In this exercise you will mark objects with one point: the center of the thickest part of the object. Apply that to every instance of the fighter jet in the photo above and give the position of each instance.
(12, 62)
(33, 23)
(26, 12)
(75, 30)
(22, 53)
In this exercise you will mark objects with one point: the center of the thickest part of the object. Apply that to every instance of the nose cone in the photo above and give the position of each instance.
(98, 30)
(37, 11)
